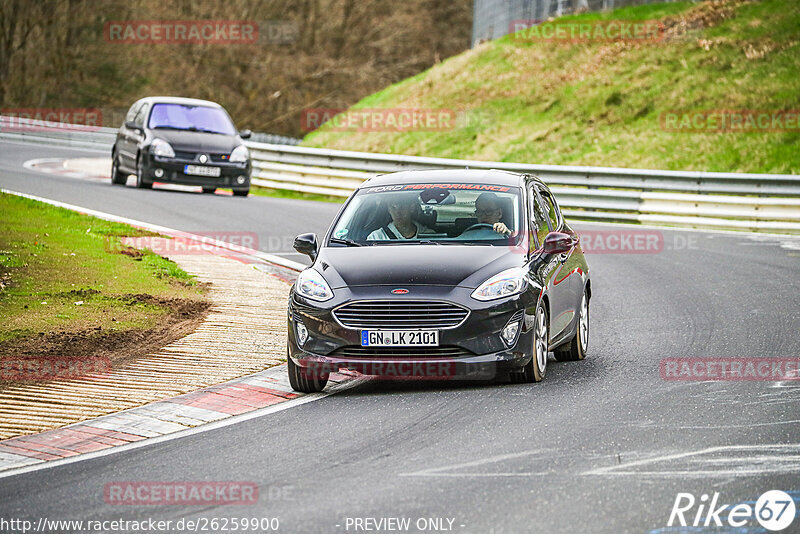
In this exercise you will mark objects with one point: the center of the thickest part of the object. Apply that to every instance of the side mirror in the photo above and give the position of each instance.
(133, 126)
(306, 244)
(245, 134)
(558, 243)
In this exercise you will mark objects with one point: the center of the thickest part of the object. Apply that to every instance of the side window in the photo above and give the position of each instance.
(141, 114)
(539, 224)
(132, 112)
(552, 211)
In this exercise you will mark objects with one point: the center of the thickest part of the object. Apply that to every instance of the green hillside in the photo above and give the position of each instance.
(606, 103)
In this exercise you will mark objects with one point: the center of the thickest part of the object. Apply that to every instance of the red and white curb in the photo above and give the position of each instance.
(174, 417)
(227, 403)
(57, 166)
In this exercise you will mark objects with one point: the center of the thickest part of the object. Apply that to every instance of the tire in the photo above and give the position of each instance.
(140, 183)
(536, 369)
(209, 190)
(575, 349)
(241, 193)
(304, 380)
(117, 177)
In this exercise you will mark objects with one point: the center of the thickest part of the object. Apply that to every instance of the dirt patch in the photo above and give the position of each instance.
(134, 253)
(117, 347)
(705, 15)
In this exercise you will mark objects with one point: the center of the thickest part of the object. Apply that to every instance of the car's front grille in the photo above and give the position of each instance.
(192, 156)
(400, 314)
(180, 154)
(445, 351)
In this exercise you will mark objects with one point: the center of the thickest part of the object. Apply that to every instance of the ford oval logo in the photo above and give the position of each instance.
(399, 291)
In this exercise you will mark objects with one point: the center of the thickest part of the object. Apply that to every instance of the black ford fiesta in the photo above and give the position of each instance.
(181, 141)
(440, 274)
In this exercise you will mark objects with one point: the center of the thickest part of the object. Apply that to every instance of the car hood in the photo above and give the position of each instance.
(406, 265)
(199, 141)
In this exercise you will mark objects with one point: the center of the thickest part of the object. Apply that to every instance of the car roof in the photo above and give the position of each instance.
(487, 176)
(180, 100)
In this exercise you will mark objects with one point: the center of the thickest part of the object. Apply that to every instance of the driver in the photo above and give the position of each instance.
(489, 211)
(403, 209)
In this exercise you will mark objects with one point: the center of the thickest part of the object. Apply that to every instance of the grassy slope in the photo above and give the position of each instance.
(59, 257)
(600, 103)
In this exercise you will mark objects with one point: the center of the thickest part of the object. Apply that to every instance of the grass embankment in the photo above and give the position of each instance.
(601, 103)
(294, 195)
(70, 289)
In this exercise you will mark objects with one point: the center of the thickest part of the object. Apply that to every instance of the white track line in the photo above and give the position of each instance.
(236, 419)
(58, 147)
(625, 469)
(731, 233)
(204, 428)
(270, 258)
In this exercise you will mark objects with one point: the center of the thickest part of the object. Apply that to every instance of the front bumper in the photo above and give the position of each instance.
(173, 173)
(472, 350)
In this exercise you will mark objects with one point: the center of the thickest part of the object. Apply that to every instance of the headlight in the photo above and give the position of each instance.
(504, 284)
(311, 285)
(240, 154)
(162, 149)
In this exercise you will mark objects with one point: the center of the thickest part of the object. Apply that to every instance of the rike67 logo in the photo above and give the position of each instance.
(774, 510)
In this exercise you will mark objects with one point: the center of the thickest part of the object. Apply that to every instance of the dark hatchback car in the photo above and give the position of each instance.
(181, 141)
(439, 275)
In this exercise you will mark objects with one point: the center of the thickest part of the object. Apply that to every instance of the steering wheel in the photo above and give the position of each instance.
(479, 226)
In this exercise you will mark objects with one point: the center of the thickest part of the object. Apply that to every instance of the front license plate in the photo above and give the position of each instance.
(399, 338)
(199, 170)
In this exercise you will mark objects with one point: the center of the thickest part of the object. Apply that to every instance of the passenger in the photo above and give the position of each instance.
(403, 210)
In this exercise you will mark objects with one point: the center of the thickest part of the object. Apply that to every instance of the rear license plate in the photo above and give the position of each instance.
(199, 170)
(399, 338)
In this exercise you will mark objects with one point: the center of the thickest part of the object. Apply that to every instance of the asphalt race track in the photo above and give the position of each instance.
(274, 221)
(603, 445)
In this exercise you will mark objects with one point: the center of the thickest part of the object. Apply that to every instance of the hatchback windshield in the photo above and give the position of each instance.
(192, 118)
(456, 213)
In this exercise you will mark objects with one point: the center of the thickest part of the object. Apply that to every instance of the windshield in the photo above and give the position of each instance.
(192, 118)
(455, 213)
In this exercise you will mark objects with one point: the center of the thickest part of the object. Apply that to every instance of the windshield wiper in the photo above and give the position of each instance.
(188, 129)
(348, 242)
(208, 131)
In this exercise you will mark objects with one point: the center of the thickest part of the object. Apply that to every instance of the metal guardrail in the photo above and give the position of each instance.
(274, 139)
(755, 202)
